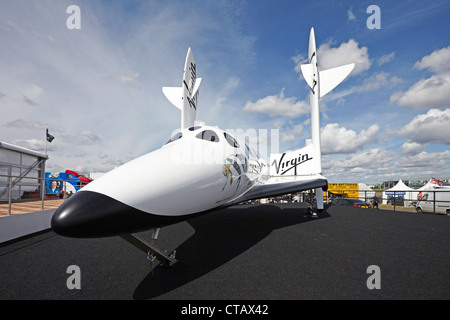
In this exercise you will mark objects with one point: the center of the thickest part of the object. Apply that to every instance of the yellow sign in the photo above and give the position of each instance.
(348, 190)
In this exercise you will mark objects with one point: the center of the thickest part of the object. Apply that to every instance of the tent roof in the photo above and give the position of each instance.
(363, 186)
(400, 186)
(431, 184)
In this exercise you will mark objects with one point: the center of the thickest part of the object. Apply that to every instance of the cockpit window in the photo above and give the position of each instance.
(194, 128)
(208, 135)
(231, 140)
(175, 137)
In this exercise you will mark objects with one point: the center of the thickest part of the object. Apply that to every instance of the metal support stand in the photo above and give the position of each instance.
(150, 248)
(310, 210)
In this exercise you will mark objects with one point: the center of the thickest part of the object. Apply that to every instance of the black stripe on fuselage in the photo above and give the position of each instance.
(89, 214)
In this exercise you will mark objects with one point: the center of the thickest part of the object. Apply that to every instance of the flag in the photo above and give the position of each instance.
(436, 181)
(49, 137)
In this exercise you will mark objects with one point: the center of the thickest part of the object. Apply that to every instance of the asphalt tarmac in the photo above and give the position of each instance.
(246, 252)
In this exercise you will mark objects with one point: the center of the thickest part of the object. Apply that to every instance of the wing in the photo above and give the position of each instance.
(276, 186)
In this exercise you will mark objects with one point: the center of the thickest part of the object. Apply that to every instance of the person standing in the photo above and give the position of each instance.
(375, 202)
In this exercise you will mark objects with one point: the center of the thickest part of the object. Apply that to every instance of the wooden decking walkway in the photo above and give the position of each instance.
(29, 206)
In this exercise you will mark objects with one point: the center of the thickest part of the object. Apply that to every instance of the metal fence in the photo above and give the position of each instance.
(436, 200)
(19, 189)
(16, 189)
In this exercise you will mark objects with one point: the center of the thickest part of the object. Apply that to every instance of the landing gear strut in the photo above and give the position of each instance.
(319, 203)
(153, 252)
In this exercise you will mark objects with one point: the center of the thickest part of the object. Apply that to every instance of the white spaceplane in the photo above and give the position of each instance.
(199, 170)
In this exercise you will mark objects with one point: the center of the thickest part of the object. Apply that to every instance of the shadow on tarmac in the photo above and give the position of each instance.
(219, 237)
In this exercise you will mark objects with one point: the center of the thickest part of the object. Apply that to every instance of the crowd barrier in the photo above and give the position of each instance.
(16, 189)
(433, 200)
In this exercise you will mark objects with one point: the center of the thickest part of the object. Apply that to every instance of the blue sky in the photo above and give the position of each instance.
(98, 89)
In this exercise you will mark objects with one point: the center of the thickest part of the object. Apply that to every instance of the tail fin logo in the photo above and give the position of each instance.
(283, 166)
(193, 70)
(192, 90)
(293, 163)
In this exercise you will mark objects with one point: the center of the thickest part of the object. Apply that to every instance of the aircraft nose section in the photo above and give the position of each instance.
(82, 215)
(89, 214)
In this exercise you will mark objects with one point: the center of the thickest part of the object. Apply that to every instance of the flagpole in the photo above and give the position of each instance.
(48, 138)
(46, 141)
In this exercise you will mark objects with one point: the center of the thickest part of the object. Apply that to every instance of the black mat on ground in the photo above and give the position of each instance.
(261, 252)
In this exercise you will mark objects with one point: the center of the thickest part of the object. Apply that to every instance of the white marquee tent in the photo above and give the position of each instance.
(365, 192)
(400, 190)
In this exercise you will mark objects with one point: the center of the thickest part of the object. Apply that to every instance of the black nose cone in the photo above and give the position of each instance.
(89, 214)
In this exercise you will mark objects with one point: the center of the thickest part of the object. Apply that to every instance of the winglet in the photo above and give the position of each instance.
(329, 79)
(185, 97)
(174, 95)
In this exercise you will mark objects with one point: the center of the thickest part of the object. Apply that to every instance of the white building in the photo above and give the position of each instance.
(22, 171)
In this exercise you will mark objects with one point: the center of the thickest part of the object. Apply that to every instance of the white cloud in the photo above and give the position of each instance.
(379, 80)
(373, 159)
(278, 124)
(226, 90)
(101, 85)
(374, 82)
(432, 127)
(437, 62)
(347, 52)
(292, 135)
(129, 78)
(350, 15)
(25, 124)
(299, 60)
(433, 91)
(337, 139)
(32, 144)
(32, 92)
(379, 164)
(278, 106)
(426, 93)
(434, 160)
(386, 58)
(410, 148)
(410, 161)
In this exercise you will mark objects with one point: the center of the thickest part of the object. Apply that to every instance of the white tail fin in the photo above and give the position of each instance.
(320, 82)
(185, 97)
(308, 160)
